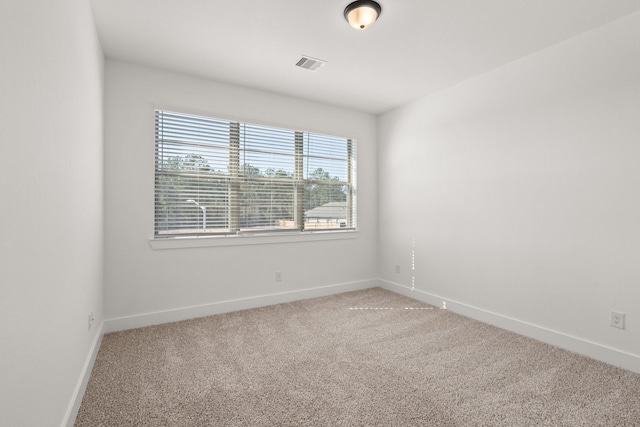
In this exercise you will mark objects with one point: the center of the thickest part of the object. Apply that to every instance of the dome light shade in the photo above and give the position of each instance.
(362, 14)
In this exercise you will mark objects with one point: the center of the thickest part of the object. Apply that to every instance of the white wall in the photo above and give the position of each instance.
(140, 280)
(51, 249)
(521, 190)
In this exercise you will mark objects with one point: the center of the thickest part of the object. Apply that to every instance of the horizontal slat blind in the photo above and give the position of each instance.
(267, 163)
(191, 180)
(328, 177)
(221, 177)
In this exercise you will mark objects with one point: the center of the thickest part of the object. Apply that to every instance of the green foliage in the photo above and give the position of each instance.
(185, 178)
(322, 189)
(265, 198)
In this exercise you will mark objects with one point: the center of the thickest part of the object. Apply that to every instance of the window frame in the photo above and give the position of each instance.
(300, 182)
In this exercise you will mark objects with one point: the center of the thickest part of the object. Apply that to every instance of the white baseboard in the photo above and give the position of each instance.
(81, 386)
(184, 313)
(596, 351)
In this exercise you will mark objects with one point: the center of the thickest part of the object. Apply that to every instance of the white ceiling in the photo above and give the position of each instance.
(417, 47)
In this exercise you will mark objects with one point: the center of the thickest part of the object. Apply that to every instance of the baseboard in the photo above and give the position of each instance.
(81, 386)
(184, 313)
(571, 343)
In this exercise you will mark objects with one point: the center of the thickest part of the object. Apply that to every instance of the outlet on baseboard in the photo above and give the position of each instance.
(90, 320)
(616, 319)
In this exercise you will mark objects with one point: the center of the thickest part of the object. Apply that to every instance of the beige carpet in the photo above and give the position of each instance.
(361, 358)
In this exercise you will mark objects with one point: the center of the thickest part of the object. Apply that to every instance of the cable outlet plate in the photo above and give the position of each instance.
(616, 319)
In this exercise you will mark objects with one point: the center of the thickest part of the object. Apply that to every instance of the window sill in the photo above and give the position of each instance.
(209, 241)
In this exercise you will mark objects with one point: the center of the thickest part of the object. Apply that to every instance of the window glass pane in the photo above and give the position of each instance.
(192, 158)
(325, 157)
(191, 143)
(266, 150)
(266, 204)
(325, 206)
(191, 204)
(267, 164)
(219, 177)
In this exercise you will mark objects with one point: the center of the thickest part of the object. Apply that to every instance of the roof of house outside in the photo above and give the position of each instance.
(331, 210)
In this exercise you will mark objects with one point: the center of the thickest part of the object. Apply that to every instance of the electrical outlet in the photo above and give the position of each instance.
(90, 320)
(617, 319)
(278, 276)
(398, 268)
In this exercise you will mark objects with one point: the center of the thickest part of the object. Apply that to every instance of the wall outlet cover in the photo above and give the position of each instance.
(617, 319)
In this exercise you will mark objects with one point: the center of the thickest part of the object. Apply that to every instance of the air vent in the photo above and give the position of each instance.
(309, 63)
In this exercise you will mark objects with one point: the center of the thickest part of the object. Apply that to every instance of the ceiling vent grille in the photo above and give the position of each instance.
(309, 63)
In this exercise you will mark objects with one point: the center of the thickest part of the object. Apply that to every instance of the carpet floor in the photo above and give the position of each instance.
(363, 358)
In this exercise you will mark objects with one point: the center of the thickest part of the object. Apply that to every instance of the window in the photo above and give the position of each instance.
(219, 177)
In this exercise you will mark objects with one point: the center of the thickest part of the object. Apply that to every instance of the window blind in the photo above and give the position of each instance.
(215, 176)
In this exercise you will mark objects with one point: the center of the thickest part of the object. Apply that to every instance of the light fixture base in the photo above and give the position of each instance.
(362, 14)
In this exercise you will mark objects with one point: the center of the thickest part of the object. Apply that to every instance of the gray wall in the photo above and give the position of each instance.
(51, 215)
(145, 285)
(520, 190)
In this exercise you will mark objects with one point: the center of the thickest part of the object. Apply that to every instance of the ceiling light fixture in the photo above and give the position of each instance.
(362, 14)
